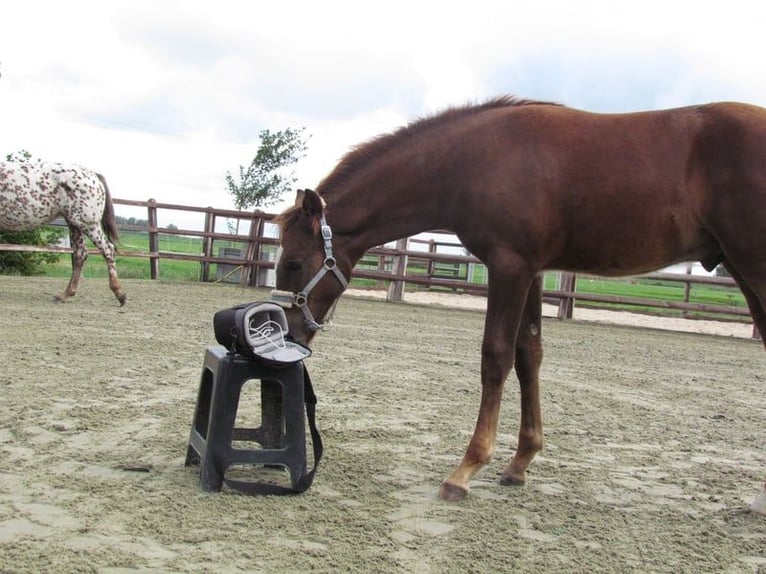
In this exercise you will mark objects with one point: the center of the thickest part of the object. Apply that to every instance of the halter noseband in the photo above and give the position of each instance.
(288, 299)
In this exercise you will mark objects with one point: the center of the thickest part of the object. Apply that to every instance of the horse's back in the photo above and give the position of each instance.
(617, 194)
(35, 193)
(29, 196)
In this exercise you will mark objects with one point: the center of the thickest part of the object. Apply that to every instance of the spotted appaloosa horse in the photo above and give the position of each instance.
(34, 193)
(529, 186)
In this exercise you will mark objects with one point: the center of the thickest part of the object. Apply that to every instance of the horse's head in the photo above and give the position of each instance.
(309, 280)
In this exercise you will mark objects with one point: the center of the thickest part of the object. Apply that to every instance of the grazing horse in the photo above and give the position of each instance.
(529, 186)
(35, 193)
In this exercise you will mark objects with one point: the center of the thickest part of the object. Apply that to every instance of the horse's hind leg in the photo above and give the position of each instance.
(529, 357)
(79, 256)
(106, 247)
(756, 305)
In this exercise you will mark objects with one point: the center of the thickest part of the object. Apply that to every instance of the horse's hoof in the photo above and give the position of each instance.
(452, 492)
(510, 480)
(122, 299)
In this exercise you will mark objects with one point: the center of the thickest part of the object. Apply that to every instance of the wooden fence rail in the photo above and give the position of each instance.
(407, 262)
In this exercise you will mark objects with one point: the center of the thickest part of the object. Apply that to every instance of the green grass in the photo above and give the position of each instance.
(138, 267)
(127, 268)
(656, 290)
(665, 290)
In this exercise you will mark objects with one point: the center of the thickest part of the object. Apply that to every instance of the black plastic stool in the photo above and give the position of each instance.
(282, 433)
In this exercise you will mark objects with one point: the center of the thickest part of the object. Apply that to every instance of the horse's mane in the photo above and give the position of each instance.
(362, 153)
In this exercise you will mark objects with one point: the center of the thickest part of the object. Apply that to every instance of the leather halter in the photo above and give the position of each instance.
(287, 298)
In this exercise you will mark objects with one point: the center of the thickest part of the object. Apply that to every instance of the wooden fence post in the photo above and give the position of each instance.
(154, 243)
(687, 289)
(566, 303)
(249, 275)
(396, 287)
(431, 250)
(207, 245)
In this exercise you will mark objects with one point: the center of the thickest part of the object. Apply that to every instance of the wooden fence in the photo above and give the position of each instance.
(411, 261)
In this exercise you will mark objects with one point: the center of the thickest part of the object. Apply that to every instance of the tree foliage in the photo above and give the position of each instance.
(23, 263)
(133, 221)
(266, 178)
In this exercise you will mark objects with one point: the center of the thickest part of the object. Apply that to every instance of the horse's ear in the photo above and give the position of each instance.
(313, 206)
(299, 197)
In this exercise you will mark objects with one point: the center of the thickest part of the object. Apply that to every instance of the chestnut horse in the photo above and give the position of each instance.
(33, 193)
(529, 186)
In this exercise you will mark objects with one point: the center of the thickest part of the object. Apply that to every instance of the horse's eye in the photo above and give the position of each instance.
(294, 265)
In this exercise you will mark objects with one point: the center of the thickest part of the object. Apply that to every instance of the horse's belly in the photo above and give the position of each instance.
(614, 258)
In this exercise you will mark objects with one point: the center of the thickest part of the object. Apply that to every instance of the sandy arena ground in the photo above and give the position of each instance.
(654, 444)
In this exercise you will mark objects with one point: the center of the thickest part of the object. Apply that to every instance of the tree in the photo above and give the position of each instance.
(263, 182)
(20, 262)
(131, 221)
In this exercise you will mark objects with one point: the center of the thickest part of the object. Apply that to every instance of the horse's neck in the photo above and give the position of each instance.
(369, 217)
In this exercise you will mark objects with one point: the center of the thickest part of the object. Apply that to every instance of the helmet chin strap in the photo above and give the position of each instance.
(287, 298)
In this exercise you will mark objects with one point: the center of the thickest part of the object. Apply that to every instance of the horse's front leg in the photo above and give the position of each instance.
(79, 256)
(529, 357)
(505, 302)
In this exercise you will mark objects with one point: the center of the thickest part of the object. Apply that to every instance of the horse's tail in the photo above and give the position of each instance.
(108, 220)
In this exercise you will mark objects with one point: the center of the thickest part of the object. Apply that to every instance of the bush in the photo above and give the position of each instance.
(25, 263)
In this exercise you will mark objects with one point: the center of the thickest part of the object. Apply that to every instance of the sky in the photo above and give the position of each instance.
(164, 97)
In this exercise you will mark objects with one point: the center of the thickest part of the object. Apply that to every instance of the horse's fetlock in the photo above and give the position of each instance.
(531, 440)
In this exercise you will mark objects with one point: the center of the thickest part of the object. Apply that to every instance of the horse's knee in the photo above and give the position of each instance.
(496, 362)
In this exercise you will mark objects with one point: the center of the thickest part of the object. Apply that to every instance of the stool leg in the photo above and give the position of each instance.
(270, 433)
(210, 479)
(192, 458)
(220, 430)
(197, 435)
(295, 426)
